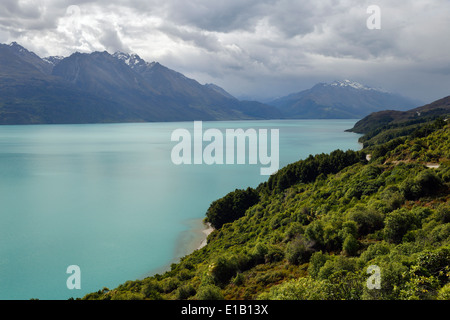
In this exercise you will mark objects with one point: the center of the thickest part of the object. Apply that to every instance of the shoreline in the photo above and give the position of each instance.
(188, 241)
(206, 232)
(194, 238)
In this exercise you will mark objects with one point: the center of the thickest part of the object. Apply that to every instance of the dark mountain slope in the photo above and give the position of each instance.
(424, 113)
(191, 94)
(99, 87)
(28, 96)
(30, 57)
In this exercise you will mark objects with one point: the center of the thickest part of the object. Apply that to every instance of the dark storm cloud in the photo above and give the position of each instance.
(25, 10)
(221, 16)
(198, 38)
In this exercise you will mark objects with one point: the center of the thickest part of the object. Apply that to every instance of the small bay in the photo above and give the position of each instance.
(108, 198)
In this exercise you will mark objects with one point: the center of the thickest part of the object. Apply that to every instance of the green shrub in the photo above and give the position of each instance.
(259, 253)
(434, 263)
(419, 288)
(397, 224)
(300, 289)
(294, 230)
(169, 284)
(392, 198)
(444, 292)
(439, 233)
(185, 292)
(239, 279)
(346, 285)
(222, 269)
(231, 207)
(350, 245)
(429, 273)
(443, 214)
(316, 262)
(274, 254)
(127, 295)
(269, 277)
(151, 290)
(298, 251)
(348, 228)
(429, 182)
(314, 232)
(426, 183)
(336, 264)
(184, 275)
(375, 250)
(368, 220)
(209, 292)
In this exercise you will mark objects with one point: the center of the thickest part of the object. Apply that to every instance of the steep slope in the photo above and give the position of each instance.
(169, 82)
(191, 94)
(13, 66)
(320, 225)
(28, 96)
(219, 90)
(30, 57)
(340, 99)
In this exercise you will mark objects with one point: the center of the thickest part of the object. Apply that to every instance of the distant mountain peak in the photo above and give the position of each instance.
(350, 83)
(18, 48)
(340, 99)
(53, 60)
(30, 57)
(132, 59)
(15, 44)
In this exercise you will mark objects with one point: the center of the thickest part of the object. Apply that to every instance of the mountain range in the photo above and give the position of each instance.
(344, 99)
(100, 87)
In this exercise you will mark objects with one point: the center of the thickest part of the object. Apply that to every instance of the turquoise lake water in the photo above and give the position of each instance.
(108, 198)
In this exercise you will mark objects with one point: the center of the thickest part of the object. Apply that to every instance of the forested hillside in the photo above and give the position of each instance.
(314, 228)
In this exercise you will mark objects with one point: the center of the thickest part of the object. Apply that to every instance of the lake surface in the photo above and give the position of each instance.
(108, 198)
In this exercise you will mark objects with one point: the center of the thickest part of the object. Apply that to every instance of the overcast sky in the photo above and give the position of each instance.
(256, 48)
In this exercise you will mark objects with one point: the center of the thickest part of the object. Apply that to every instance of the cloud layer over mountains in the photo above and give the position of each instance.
(254, 48)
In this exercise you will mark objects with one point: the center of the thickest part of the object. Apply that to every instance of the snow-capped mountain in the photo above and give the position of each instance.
(340, 99)
(349, 83)
(189, 92)
(53, 60)
(354, 85)
(133, 60)
(100, 87)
